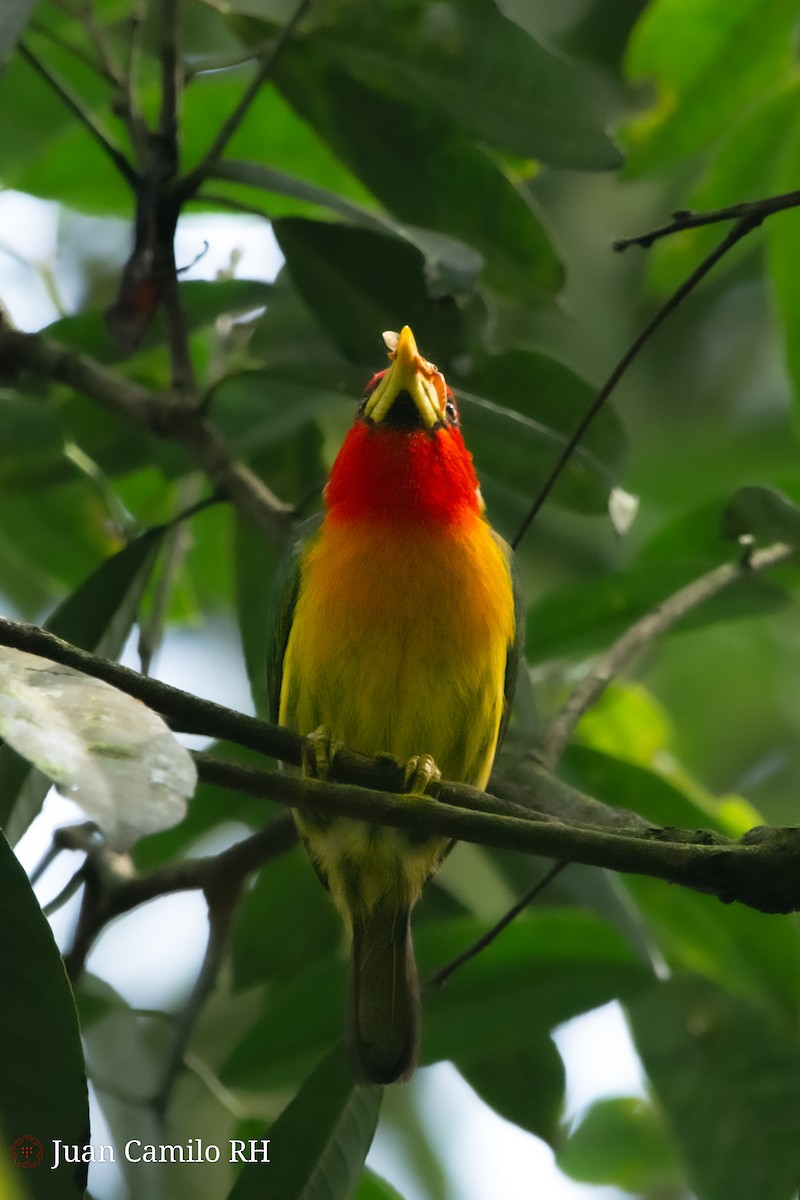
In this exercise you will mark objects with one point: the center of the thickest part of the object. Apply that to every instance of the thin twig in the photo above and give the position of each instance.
(751, 210)
(651, 626)
(79, 110)
(215, 1087)
(443, 974)
(222, 900)
(70, 48)
(191, 182)
(69, 889)
(744, 226)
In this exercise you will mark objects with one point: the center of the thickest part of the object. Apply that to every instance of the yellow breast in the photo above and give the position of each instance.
(399, 643)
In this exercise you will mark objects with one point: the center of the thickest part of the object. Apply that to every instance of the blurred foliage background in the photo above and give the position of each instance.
(464, 168)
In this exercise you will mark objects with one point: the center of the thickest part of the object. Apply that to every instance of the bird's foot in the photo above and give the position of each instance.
(319, 752)
(421, 771)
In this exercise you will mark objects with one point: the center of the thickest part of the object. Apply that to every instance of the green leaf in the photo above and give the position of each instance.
(519, 410)
(108, 752)
(98, 617)
(268, 418)
(584, 617)
(709, 63)
(31, 442)
(763, 513)
(526, 1086)
(50, 153)
(462, 182)
(359, 283)
(470, 65)
(752, 954)
(256, 565)
(48, 547)
(262, 949)
(42, 1082)
(454, 265)
(209, 802)
(95, 999)
(301, 1020)
(544, 969)
(22, 91)
(268, 179)
(320, 1141)
(622, 1142)
(100, 614)
(728, 1077)
(294, 146)
(640, 788)
(292, 344)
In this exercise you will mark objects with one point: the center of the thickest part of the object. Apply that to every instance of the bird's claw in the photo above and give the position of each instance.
(421, 771)
(319, 752)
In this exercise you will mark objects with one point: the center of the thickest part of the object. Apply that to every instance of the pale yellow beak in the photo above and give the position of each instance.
(412, 374)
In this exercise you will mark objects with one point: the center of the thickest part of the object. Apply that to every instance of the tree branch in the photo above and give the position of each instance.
(171, 71)
(165, 414)
(753, 211)
(190, 714)
(184, 379)
(759, 870)
(646, 630)
(113, 887)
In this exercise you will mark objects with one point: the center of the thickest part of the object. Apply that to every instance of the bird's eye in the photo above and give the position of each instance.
(451, 412)
(362, 406)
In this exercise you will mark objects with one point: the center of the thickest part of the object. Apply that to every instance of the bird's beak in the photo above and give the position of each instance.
(412, 393)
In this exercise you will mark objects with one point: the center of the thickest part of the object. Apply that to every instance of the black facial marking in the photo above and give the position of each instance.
(403, 413)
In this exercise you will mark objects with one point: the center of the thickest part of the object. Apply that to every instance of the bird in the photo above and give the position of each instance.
(396, 631)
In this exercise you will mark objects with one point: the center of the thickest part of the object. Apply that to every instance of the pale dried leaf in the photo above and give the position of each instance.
(108, 752)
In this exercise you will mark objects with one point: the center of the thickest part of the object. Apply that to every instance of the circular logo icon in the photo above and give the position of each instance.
(27, 1151)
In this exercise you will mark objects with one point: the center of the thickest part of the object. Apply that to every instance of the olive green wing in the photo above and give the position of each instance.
(516, 648)
(284, 602)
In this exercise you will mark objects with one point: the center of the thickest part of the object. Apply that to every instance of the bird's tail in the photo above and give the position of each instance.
(384, 993)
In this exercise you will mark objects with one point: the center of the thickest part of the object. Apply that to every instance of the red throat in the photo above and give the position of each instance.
(403, 477)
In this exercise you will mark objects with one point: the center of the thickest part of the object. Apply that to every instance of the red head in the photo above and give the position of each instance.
(404, 460)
